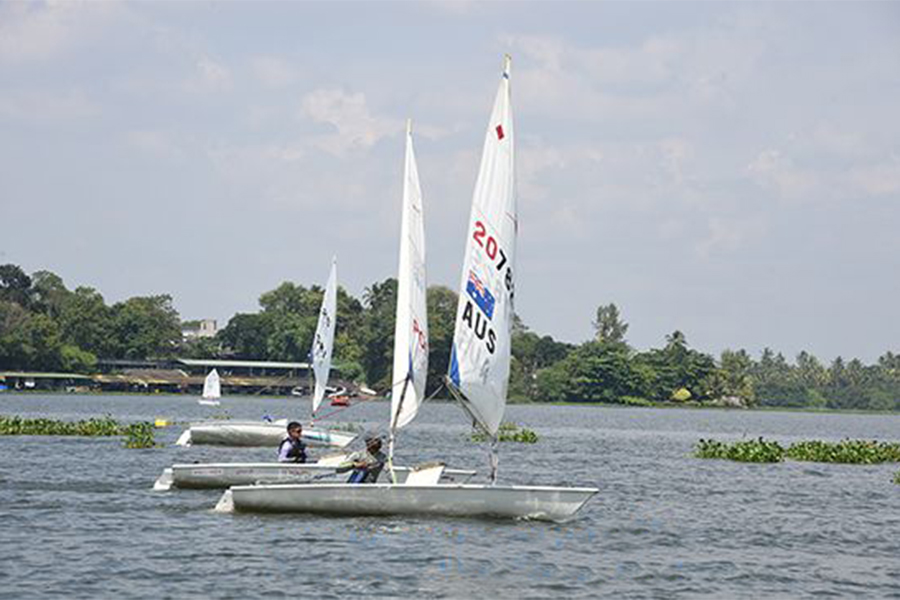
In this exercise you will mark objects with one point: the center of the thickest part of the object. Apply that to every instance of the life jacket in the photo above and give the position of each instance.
(297, 453)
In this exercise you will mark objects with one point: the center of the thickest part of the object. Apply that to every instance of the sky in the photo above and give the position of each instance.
(727, 169)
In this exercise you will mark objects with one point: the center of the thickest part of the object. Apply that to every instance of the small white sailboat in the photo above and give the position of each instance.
(479, 371)
(223, 475)
(212, 390)
(254, 433)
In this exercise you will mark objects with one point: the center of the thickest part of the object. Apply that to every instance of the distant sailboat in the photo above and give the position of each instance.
(212, 390)
(254, 433)
(323, 341)
(478, 373)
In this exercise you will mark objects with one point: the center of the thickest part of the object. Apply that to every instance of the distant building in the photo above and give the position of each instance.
(204, 328)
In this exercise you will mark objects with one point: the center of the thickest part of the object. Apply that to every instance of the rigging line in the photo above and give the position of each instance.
(440, 389)
(337, 410)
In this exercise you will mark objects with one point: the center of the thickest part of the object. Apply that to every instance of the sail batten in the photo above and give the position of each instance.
(479, 366)
(410, 368)
(323, 342)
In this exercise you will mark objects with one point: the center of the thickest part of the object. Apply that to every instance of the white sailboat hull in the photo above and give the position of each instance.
(447, 500)
(223, 475)
(251, 433)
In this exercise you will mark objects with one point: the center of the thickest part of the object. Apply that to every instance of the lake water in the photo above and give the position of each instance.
(78, 518)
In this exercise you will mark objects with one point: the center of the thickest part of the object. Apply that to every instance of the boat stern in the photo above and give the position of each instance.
(225, 503)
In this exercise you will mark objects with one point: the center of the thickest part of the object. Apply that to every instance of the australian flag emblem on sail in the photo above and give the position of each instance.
(480, 294)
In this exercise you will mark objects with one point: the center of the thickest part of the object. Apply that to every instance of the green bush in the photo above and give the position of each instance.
(509, 432)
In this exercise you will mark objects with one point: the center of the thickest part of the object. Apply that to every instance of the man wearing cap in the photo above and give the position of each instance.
(366, 465)
(291, 449)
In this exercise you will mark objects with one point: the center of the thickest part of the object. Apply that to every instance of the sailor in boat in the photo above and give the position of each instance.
(366, 465)
(291, 449)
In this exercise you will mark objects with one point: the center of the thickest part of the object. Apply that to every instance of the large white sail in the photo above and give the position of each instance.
(323, 342)
(479, 364)
(212, 389)
(411, 329)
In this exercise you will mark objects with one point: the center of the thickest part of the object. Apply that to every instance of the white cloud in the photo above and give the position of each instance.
(777, 172)
(210, 76)
(727, 235)
(273, 72)
(878, 179)
(47, 106)
(356, 127)
(160, 144)
(31, 31)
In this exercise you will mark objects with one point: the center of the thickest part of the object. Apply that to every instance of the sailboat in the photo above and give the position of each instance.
(255, 433)
(478, 373)
(212, 390)
(223, 475)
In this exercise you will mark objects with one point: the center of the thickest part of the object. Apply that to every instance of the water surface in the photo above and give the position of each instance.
(79, 518)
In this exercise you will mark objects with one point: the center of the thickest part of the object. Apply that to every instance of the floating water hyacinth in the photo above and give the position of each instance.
(104, 426)
(138, 435)
(862, 452)
(509, 432)
(761, 450)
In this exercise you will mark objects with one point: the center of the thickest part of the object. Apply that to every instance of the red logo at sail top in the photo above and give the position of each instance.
(500, 134)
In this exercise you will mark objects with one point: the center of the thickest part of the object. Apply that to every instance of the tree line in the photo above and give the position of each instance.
(44, 326)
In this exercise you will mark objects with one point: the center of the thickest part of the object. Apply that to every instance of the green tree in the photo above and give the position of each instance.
(608, 325)
(28, 341)
(146, 327)
(15, 285)
(87, 322)
(380, 301)
(441, 303)
(247, 336)
(48, 293)
(594, 372)
(675, 367)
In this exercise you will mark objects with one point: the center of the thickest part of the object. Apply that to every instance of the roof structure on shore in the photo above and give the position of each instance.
(37, 375)
(250, 364)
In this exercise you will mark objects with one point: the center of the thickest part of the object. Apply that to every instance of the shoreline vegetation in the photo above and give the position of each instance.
(45, 327)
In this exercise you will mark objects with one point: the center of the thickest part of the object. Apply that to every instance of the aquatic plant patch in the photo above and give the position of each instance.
(859, 452)
(509, 432)
(759, 450)
(765, 451)
(95, 427)
(138, 435)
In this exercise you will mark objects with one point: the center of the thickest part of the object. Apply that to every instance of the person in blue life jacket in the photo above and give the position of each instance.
(366, 465)
(291, 449)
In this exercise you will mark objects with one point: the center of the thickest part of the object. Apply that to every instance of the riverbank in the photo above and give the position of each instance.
(649, 405)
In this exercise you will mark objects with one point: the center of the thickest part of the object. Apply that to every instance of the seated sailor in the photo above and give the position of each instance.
(291, 449)
(366, 465)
